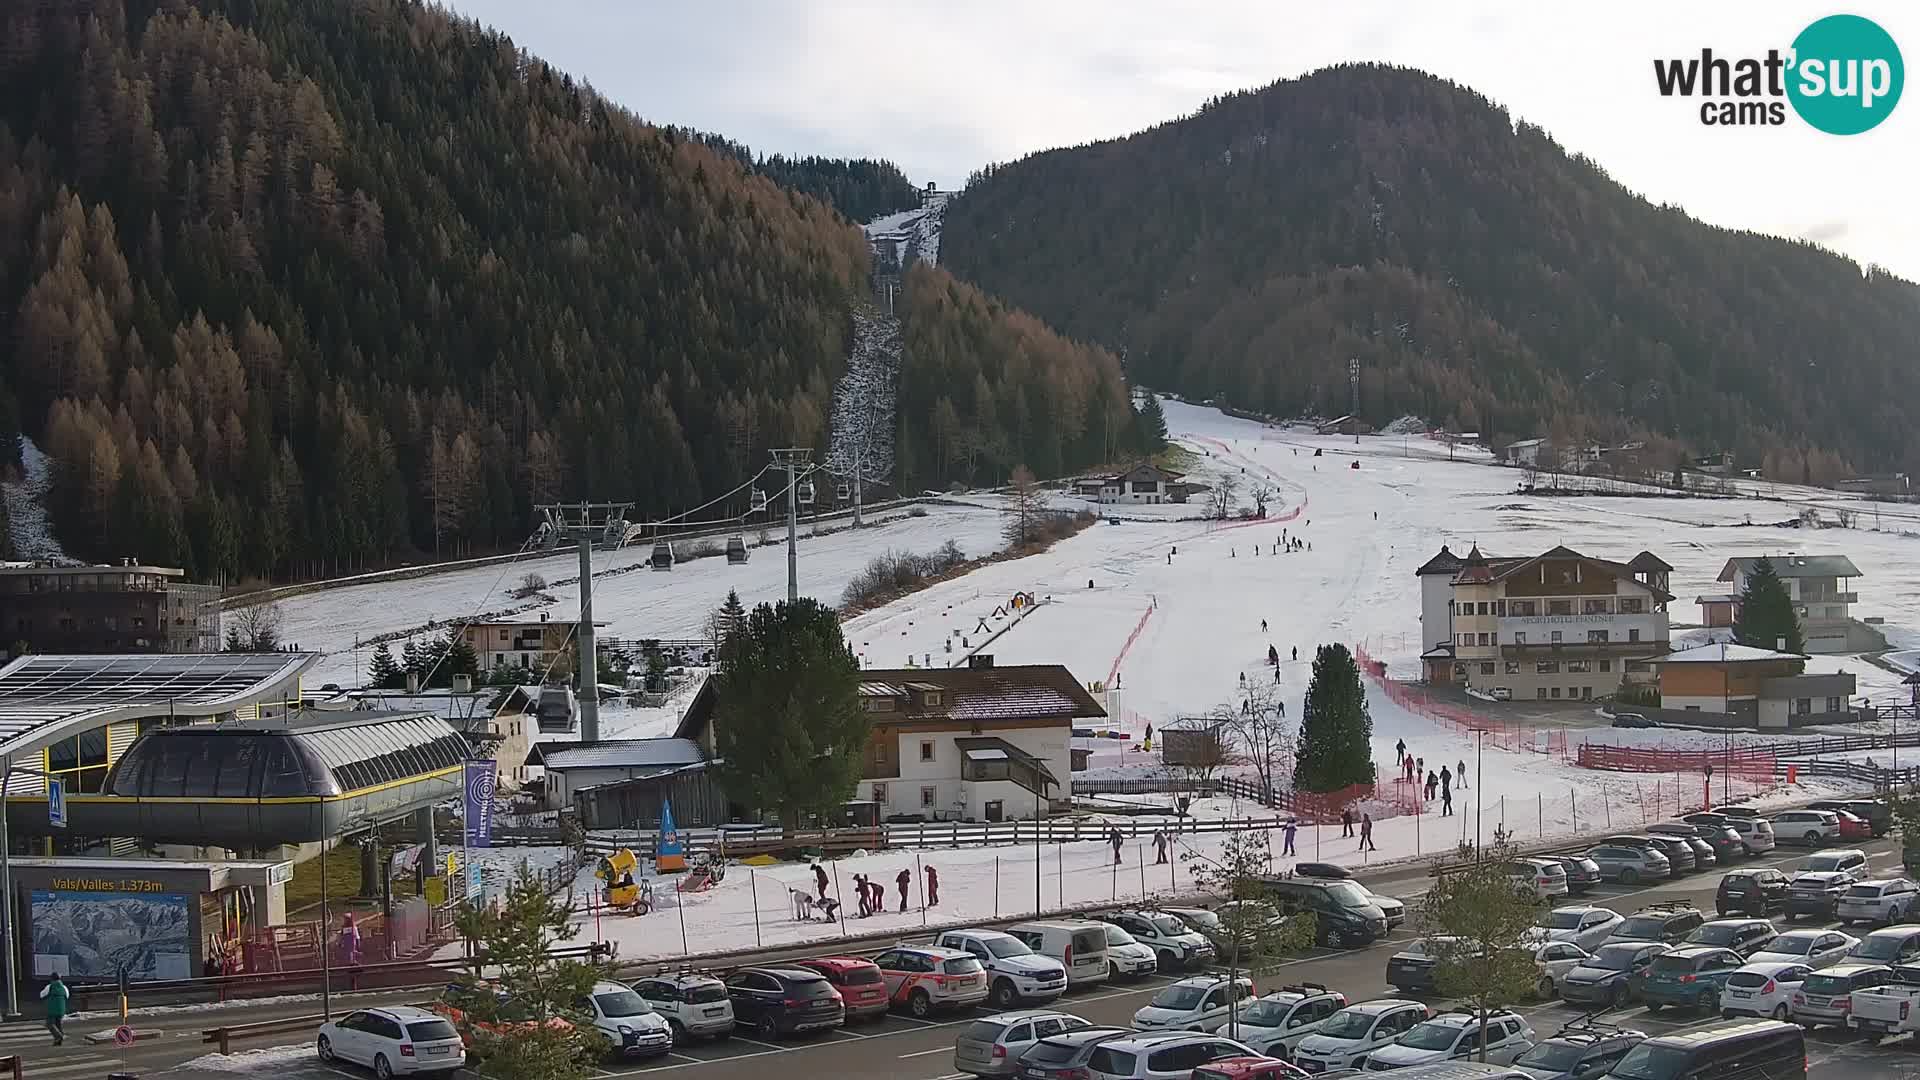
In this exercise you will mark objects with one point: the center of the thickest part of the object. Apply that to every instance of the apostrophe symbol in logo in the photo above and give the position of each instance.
(1846, 74)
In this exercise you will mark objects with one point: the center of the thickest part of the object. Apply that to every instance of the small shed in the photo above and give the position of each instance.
(1193, 740)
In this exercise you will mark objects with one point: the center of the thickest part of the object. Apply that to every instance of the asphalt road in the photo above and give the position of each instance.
(902, 1048)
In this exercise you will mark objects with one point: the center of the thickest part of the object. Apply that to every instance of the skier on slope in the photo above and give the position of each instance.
(1263, 626)
(1273, 657)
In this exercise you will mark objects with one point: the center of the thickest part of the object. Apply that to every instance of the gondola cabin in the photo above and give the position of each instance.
(759, 500)
(804, 493)
(736, 549)
(662, 557)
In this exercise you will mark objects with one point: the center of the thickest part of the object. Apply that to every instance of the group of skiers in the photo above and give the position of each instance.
(1116, 838)
(1411, 770)
(872, 895)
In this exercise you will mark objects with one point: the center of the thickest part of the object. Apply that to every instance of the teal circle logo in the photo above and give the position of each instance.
(1846, 76)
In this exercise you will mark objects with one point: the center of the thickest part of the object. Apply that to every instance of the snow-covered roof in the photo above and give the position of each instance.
(1794, 566)
(1723, 652)
(617, 754)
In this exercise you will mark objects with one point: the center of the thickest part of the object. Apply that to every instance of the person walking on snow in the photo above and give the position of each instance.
(1400, 752)
(1159, 847)
(1366, 833)
(1114, 838)
(55, 995)
(1263, 626)
(933, 885)
(1463, 772)
(1287, 832)
(1446, 778)
(1273, 656)
(1296, 653)
(820, 879)
(1446, 802)
(1346, 821)
(905, 880)
(1433, 784)
(860, 894)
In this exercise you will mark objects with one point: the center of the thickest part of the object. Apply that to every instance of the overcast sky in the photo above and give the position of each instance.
(944, 88)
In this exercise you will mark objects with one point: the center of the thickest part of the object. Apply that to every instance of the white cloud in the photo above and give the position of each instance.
(944, 88)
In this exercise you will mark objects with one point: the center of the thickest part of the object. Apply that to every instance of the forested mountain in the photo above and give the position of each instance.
(1483, 277)
(860, 188)
(300, 286)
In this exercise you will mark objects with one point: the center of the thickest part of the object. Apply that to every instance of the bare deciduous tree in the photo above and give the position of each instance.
(255, 628)
(1261, 731)
(1261, 491)
(1220, 500)
(1025, 506)
(531, 584)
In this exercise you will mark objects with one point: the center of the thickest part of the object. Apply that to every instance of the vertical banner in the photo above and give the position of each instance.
(479, 803)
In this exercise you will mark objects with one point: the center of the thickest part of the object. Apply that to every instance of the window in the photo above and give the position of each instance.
(1597, 637)
(1500, 608)
(1541, 693)
(1557, 635)
(1459, 670)
(1463, 639)
(928, 795)
(504, 632)
(1633, 635)
(1632, 605)
(1556, 692)
(1487, 669)
(1579, 667)
(1559, 607)
(926, 749)
(1834, 704)
(1483, 639)
(932, 699)
(1519, 637)
(1546, 667)
(1606, 665)
(1802, 706)
(1593, 607)
(1636, 665)
(139, 622)
(879, 755)
(1483, 607)
(1523, 608)
(1513, 667)
(880, 794)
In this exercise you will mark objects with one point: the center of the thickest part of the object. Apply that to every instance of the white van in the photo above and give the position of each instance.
(1080, 946)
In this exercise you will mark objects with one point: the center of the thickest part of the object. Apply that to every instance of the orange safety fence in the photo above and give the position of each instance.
(1500, 734)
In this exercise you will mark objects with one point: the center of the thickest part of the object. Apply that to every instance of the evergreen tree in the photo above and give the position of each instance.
(1151, 424)
(382, 672)
(1766, 612)
(456, 658)
(412, 662)
(788, 730)
(726, 618)
(1336, 730)
(518, 937)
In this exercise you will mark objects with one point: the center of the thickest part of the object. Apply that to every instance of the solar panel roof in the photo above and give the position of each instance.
(42, 697)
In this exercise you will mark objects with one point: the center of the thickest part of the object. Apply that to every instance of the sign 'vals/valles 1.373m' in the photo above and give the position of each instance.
(1842, 75)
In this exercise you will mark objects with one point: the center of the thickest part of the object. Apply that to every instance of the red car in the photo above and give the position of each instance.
(1249, 1068)
(1853, 827)
(858, 981)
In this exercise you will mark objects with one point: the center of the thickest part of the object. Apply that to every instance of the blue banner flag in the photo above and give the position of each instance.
(479, 803)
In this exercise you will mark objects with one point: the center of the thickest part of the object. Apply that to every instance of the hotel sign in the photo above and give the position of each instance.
(1555, 620)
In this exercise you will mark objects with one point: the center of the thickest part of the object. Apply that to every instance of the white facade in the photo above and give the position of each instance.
(932, 770)
(1436, 610)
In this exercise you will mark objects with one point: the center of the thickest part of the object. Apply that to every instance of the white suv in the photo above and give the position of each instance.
(1167, 1056)
(1015, 973)
(393, 1040)
(1278, 1022)
(1176, 944)
(696, 1006)
(1200, 1003)
(1348, 1035)
(1882, 900)
(633, 1027)
(1127, 958)
(1810, 827)
(1456, 1035)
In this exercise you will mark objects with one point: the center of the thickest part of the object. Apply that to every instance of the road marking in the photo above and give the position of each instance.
(924, 1053)
(682, 1057)
(755, 1042)
(917, 1020)
(71, 1066)
(714, 1061)
(845, 1034)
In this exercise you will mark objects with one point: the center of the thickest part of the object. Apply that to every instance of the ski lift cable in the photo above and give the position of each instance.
(750, 481)
(478, 610)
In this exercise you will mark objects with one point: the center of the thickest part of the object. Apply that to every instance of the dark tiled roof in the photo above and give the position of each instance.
(1647, 560)
(1444, 563)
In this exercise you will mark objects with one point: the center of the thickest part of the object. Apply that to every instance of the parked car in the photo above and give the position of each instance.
(1347, 1036)
(1747, 1050)
(1542, 879)
(1853, 827)
(695, 1006)
(1851, 861)
(1171, 1055)
(1395, 910)
(1751, 892)
(1704, 853)
(923, 978)
(1877, 815)
(1691, 976)
(461, 1005)
(1894, 945)
(1612, 975)
(1253, 1068)
(1763, 989)
(1816, 894)
(1632, 720)
(1630, 865)
(1736, 811)
(1345, 913)
(393, 1040)
(1127, 958)
(1555, 959)
(1200, 1003)
(1079, 945)
(1275, 1023)
(1826, 997)
(1015, 973)
(1814, 948)
(1888, 1007)
(775, 1001)
(1456, 1034)
(1669, 923)
(1882, 900)
(1578, 1053)
(1064, 1056)
(1585, 926)
(1721, 840)
(1743, 936)
(1755, 833)
(991, 1045)
(1810, 827)
(1582, 873)
(1679, 853)
(626, 1021)
(1176, 945)
(863, 989)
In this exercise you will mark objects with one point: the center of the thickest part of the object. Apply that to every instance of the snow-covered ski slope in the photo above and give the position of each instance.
(634, 601)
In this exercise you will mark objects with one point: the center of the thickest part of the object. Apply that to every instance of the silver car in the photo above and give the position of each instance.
(990, 1046)
(1630, 865)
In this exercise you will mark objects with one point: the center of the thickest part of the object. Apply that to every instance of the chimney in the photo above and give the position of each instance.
(463, 684)
(980, 660)
(413, 682)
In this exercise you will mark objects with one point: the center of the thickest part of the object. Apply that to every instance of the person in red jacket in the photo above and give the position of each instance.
(933, 886)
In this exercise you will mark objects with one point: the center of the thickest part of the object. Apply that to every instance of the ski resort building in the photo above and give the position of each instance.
(1821, 588)
(127, 607)
(525, 643)
(1144, 483)
(1753, 687)
(1555, 626)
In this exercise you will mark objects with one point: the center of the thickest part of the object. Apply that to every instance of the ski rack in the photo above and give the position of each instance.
(1668, 905)
(1585, 1024)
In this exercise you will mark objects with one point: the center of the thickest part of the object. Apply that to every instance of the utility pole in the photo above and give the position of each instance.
(1353, 380)
(584, 523)
(792, 459)
(858, 450)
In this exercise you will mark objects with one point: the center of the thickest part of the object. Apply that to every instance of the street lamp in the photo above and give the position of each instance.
(1479, 804)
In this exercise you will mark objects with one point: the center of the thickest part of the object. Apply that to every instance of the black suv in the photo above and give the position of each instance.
(1063, 1055)
(776, 1001)
(1877, 815)
(1750, 892)
(1346, 915)
(1668, 923)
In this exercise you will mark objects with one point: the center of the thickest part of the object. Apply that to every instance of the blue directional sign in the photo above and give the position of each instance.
(56, 804)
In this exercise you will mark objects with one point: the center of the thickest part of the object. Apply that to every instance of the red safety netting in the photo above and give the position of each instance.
(1500, 734)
